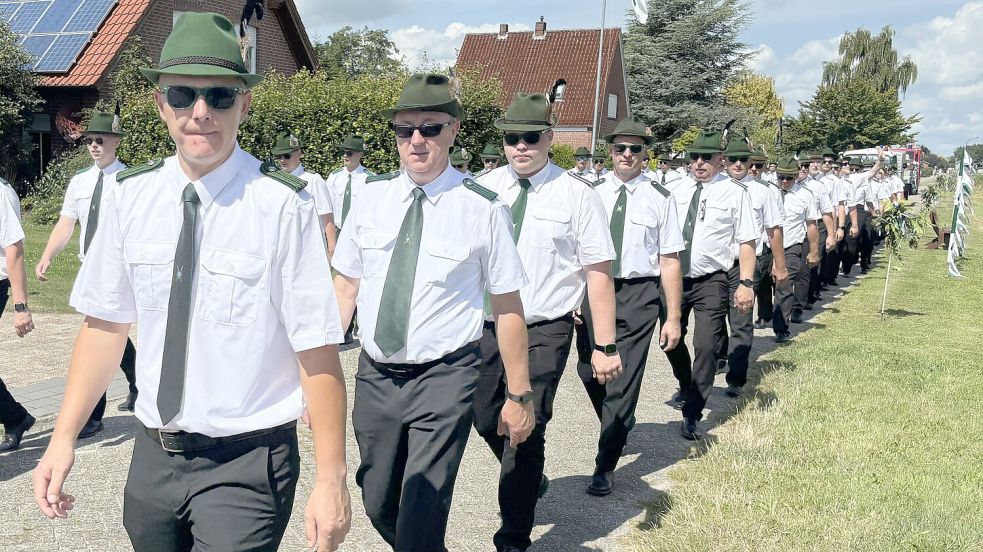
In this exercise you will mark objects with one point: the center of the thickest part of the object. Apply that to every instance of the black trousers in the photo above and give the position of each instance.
(848, 247)
(867, 237)
(411, 434)
(801, 283)
(785, 296)
(764, 285)
(816, 274)
(831, 267)
(12, 412)
(237, 496)
(736, 348)
(521, 468)
(638, 308)
(706, 296)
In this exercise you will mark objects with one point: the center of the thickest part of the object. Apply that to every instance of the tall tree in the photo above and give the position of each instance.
(18, 99)
(351, 53)
(864, 56)
(756, 95)
(679, 60)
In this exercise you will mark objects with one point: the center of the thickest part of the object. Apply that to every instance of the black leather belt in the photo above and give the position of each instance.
(410, 371)
(703, 278)
(182, 441)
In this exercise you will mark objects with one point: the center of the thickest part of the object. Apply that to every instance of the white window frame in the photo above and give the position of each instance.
(612, 106)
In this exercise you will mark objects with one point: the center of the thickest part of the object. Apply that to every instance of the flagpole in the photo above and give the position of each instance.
(597, 84)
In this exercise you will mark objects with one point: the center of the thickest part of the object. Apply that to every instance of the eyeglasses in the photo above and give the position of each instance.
(599, 161)
(285, 156)
(347, 152)
(582, 159)
(635, 148)
(704, 156)
(735, 159)
(530, 138)
(785, 178)
(827, 161)
(428, 130)
(459, 167)
(217, 97)
(88, 140)
(487, 161)
(758, 166)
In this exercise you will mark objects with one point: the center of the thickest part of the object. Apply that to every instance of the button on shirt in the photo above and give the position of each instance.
(724, 218)
(467, 248)
(262, 291)
(78, 195)
(651, 224)
(799, 205)
(334, 190)
(11, 231)
(766, 205)
(563, 230)
(316, 186)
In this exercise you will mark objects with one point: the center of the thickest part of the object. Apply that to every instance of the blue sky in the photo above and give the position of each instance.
(792, 37)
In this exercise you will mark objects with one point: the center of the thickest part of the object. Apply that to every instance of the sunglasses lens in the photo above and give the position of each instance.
(347, 153)
(181, 97)
(284, 156)
(430, 130)
(757, 166)
(512, 139)
(636, 149)
(531, 137)
(403, 131)
(620, 148)
(221, 97)
(582, 159)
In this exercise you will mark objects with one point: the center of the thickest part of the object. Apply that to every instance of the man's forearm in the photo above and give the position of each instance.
(812, 232)
(61, 234)
(600, 295)
(841, 215)
(853, 217)
(330, 233)
(346, 291)
(671, 278)
(513, 340)
(828, 222)
(747, 260)
(323, 384)
(776, 237)
(16, 272)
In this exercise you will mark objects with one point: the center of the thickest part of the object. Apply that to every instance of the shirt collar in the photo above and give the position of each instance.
(212, 184)
(435, 188)
(632, 184)
(537, 180)
(112, 168)
(298, 171)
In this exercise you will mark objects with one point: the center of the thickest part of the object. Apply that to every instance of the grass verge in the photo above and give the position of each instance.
(51, 296)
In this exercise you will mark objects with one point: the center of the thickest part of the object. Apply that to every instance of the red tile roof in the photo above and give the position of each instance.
(101, 51)
(525, 64)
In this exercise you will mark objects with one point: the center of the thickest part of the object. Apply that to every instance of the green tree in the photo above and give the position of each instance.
(351, 53)
(975, 152)
(678, 62)
(849, 115)
(873, 59)
(479, 98)
(18, 99)
(756, 95)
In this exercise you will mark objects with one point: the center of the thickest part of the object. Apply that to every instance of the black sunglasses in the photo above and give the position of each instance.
(89, 140)
(736, 158)
(285, 156)
(704, 156)
(582, 159)
(486, 161)
(531, 138)
(635, 148)
(428, 130)
(757, 166)
(217, 97)
(783, 178)
(347, 152)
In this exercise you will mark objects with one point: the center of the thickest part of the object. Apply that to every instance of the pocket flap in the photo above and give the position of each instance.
(232, 263)
(376, 240)
(447, 250)
(645, 219)
(552, 214)
(148, 252)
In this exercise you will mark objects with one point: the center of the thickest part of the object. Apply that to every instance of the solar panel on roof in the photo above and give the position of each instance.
(62, 53)
(7, 10)
(53, 20)
(89, 16)
(37, 45)
(27, 16)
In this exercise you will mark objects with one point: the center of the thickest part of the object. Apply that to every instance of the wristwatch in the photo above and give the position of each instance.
(20, 307)
(610, 349)
(524, 398)
(746, 283)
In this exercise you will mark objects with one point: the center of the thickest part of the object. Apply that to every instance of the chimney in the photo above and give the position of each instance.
(540, 32)
(503, 31)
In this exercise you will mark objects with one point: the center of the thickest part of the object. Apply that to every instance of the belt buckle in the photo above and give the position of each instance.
(163, 444)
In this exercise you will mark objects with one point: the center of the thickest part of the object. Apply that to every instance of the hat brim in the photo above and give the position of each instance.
(704, 150)
(786, 172)
(283, 151)
(483, 157)
(200, 70)
(451, 108)
(106, 132)
(521, 126)
(359, 149)
(648, 139)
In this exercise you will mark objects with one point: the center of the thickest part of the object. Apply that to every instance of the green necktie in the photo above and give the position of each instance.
(688, 227)
(346, 203)
(90, 227)
(172, 368)
(519, 208)
(393, 324)
(618, 228)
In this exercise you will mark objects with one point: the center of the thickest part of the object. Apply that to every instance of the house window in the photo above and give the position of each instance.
(250, 56)
(612, 106)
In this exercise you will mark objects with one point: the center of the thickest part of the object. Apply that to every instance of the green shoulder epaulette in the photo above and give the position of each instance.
(598, 182)
(739, 183)
(151, 165)
(378, 177)
(660, 188)
(480, 190)
(273, 171)
(338, 170)
(80, 171)
(370, 173)
(582, 179)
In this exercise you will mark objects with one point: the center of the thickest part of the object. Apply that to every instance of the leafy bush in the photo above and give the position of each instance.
(902, 225)
(563, 155)
(43, 203)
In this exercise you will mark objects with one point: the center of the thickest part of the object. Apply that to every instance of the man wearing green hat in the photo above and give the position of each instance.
(491, 156)
(764, 278)
(642, 220)
(460, 159)
(85, 197)
(289, 152)
(812, 162)
(864, 199)
(599, 158)
(563, 242)
(418, 259)
(210, 470)
(342, 188)
(716, 216)
(829, 174)
(801, 237)
(581, 162)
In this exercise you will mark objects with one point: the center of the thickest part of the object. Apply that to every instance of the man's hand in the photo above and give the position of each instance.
(49, 478)
(41, 270)
(516, 422)
(812, 259)
(840, 234)
(854, 231)
(578, 317)
(670, 335)
(606, 368)
(779, 275)
(830, 243)
(328, 516)
(23, 323)
(744, 298)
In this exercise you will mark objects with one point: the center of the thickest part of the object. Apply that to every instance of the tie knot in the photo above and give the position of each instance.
(699, 186)
(524, 183)
(190, 195)
(622, 189)
(419, 194)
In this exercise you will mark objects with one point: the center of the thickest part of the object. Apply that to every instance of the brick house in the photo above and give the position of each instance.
(279, 41)
(533, 61)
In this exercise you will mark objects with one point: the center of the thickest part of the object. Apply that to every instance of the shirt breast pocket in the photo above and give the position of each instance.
(550, 229)
(446, 259)
(151, 264)
(375, 253)
(231, 283)
(718, 216)
(645, 229)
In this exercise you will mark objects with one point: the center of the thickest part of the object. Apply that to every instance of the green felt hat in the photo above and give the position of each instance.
(828, 152)
(582, 152)
(738, 146)
(353, 142)
(527, 113)
(758, 155)
(707, 141)
(102, 122)
(787, 166)
(202, 45)
(631, 125)
(286, 142)
(856, 161)
(491, 151)
(426, 92)
(665, 158)
(599, 155)
(460, 156)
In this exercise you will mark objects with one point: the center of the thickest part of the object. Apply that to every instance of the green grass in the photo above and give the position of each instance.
(865, 435)
(51, 296)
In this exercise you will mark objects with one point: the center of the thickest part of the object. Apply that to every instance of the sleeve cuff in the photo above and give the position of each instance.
(89, 309)
(508, 287)
(307, 341)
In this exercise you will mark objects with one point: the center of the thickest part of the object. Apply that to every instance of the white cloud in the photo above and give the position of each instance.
(947, 49)
(436, 47)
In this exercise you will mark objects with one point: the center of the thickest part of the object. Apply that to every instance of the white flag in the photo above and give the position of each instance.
(641, 10)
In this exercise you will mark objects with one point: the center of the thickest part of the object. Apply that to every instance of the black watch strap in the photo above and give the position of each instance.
(521, 399)
(20, 307)
(747, 283)
(608, 349)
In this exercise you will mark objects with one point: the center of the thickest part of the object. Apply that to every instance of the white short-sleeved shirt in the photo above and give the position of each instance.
(563, 230)
(771, 177)
(834, 186)
(767, 209)
(334, 190)
(818, 189)
(896, 185)
(723, 219)
(651, 224)
(799, 205)
(262, 291)
(316, 186)
(467, 248)
(11, 231)
(78, 196)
